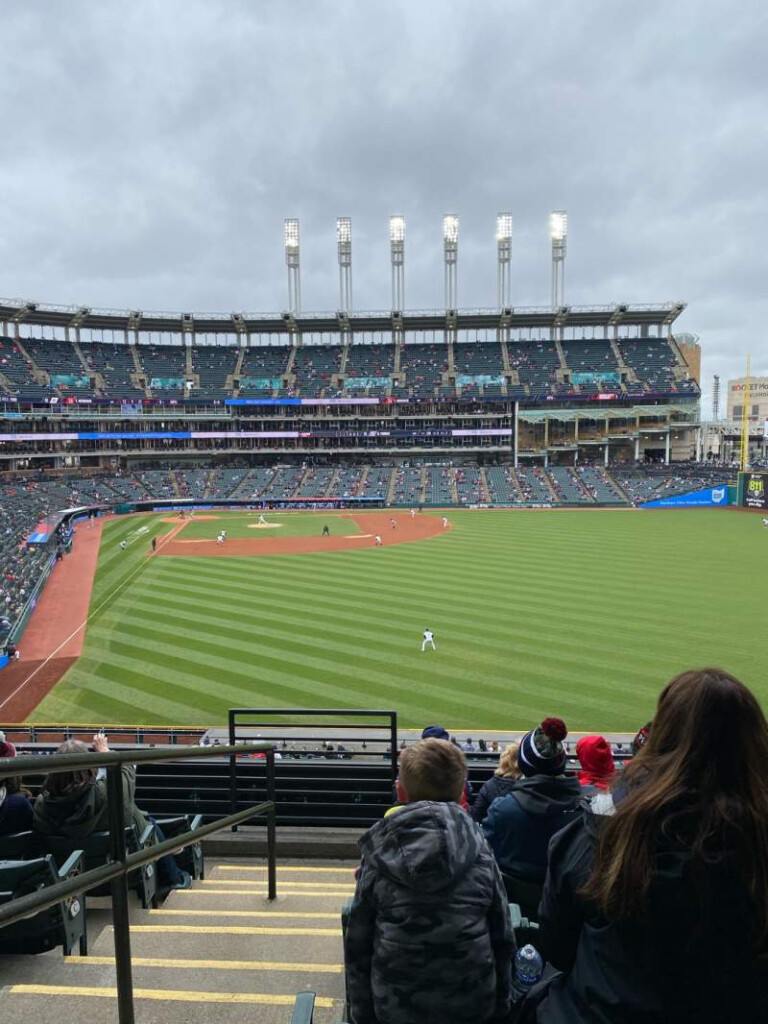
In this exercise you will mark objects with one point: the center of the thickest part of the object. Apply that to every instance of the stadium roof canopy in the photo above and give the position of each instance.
(523, 317)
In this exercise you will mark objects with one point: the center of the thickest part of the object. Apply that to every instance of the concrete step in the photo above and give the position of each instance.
(219, 949)
(97, 1005)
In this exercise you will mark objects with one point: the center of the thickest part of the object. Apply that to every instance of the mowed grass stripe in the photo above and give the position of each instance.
(583, 614)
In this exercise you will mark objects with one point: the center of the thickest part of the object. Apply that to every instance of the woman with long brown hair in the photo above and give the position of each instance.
(655, 906)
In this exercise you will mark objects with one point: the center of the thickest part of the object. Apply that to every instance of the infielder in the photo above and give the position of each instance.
(765, 523)
(377, 541)
(445, 522)
(429, 638)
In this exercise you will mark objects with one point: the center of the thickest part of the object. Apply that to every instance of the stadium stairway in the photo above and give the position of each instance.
(219, 951)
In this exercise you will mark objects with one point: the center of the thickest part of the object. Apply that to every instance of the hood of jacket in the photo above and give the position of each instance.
(596, 759)
(70, 814)
(426, 846)
(547, 795)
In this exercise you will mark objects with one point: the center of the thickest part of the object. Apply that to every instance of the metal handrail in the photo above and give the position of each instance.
(122, 863)
(236, 716)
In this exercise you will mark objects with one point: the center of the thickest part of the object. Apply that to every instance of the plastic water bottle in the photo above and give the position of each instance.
(529, 968)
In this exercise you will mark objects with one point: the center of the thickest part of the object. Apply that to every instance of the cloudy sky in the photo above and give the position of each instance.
(151, 151)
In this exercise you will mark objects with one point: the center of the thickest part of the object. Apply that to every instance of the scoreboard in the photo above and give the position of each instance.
(754, 490)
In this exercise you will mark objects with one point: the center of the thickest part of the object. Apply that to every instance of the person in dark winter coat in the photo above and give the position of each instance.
(519, 826)
(501, 782)
(656, 905)
(15, 805)
(74, 804)
(596, 759)
(429, 938)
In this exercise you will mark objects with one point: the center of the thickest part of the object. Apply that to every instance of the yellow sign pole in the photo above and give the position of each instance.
(744, 454)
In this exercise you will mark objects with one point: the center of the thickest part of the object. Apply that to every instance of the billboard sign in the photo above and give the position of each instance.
(755, 490)
(715, 497)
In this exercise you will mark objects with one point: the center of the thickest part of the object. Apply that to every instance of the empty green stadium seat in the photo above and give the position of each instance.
(189, 856)
(60, 925)
(96, 851)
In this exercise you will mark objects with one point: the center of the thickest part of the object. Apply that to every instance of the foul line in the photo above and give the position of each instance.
(84, 623)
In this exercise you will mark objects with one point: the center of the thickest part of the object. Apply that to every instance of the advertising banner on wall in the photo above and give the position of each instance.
(755, 494)
(709, 496)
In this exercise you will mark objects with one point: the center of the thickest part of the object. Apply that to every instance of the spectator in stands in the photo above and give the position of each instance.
(439, 732)
(15, 803)
(520, 825)
(429, 937)
(641, 738)
(501, 782)
(596, 759)
(656, 905)
(74, 804)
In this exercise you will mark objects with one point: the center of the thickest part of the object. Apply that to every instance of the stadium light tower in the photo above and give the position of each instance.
(503, 258)
(558, 230)
(344, 239)
(397, 259)
(450, 254)
(292, 262)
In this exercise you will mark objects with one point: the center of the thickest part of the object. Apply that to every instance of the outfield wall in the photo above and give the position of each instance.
(708, 497)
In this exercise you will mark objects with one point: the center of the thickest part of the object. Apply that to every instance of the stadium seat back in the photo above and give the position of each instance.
(21, 846)
(189, 856)
(525, 893)
(96, 852)
(63, 925)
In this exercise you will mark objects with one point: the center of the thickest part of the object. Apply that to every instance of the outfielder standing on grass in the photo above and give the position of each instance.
(326, 531)
(429, 638)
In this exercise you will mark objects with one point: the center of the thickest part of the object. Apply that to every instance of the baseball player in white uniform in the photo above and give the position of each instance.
(377, 541)
(262, 521)
(765, 523)
(445, 522)
(429, 638)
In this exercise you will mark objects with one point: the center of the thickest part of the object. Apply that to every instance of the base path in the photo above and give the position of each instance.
(54, 637)
(407, 531)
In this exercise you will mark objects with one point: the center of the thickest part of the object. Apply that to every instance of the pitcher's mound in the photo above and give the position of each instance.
(264, 526)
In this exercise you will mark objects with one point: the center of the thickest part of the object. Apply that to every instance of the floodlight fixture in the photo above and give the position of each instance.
(503, 259)
(344, 230)
(504, 227)
(397, 228)
(451, 228)
(558, 225)
(397, 260)
(291, 236)
(558, 232)
(344, 239)
(450, 256)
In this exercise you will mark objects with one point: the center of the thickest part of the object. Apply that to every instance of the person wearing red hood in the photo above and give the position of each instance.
(596, 759)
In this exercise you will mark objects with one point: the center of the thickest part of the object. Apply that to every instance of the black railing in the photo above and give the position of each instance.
(348, 721)
(146, 734)
(122, 863)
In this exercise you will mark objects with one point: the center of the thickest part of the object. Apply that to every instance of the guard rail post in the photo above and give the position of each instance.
(119, 887)
(271, 834)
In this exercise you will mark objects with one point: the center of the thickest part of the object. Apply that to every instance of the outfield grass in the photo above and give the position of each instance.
(583, 614)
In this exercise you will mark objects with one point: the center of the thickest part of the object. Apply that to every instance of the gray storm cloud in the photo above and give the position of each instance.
(152, 150)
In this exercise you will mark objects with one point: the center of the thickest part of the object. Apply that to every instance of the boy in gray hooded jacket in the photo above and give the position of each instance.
(429, 938)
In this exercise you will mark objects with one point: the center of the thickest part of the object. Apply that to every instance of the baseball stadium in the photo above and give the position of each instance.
(280, 547)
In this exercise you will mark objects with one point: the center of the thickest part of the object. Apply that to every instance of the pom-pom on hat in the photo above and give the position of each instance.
(541, 750)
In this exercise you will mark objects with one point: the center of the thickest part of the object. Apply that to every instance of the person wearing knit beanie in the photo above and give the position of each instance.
(519, 825)
(596, 759)
(541, 750)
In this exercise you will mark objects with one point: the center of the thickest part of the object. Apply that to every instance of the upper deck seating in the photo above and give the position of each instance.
(61, 363)
(115, 364)
(423, 365)
(314, 366)
(369, 369)
(263, 370)
(165, 369)
(18, 370)
(213, 364)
